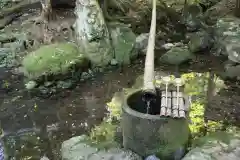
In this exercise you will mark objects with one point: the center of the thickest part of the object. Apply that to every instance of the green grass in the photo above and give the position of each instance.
(52, 60)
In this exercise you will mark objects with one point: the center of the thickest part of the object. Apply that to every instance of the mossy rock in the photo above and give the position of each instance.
(76, 148)
(123, 40)
(54, 59)
(218, 145)
(99, 53)
(176, 56)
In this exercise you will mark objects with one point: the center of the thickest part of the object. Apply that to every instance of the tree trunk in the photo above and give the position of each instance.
(210, 94)
(237, 9)
(92, 34)
(148, 85)
(46, 10)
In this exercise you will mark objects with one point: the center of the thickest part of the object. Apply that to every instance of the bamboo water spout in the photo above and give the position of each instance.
(148, 85)
(166, 81)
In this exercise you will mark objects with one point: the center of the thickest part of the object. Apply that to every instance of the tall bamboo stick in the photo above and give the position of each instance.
(148, 84)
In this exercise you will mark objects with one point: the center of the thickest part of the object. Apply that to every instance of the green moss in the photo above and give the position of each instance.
(99, 52)
(170, 141)
(52, 60)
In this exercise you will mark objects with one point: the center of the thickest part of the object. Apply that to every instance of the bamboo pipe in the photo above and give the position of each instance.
(148, 83)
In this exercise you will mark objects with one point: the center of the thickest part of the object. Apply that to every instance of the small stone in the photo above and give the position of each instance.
(48, 84)
(114, 62)
(43, 90)
(85, 75)
(53, 90)
(168, 46)
(44, 158)
(90, 72)
(64, 84)
(141, 42)
(30, 85)
(152, 157)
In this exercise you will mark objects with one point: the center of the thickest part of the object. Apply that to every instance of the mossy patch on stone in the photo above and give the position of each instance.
(173, 136)
(176, 56)
(99, 52)
(123, 41)
(52, 59)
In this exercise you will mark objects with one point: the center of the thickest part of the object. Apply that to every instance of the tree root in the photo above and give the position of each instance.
(21, 7)
(7, 20)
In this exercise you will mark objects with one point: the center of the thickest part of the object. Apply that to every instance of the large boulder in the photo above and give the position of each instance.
(200, 41)
(123, 41)
(77, 148)
(54, 59)
(217, 146)
(227, 35)
(176, 56)
(231, 71)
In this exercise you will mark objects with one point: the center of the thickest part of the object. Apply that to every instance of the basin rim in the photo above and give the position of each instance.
(132, 112)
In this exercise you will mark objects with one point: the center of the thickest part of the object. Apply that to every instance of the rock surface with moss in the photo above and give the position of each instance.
(227, 44)
(52, 60)
(216, 146)
(123, 40)
(78, 148)
(200, 41)
(176, 56)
